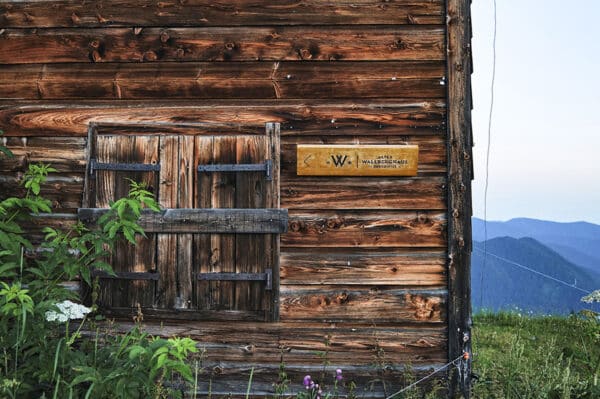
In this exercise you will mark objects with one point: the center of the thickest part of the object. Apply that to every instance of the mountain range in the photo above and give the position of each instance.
(520, 251)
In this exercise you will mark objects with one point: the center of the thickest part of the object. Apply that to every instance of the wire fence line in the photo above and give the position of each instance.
(565, 283)
(456, 362)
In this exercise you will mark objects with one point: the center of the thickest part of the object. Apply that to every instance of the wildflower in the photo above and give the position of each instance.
(307, 382)
(67, 310)
(338, 375)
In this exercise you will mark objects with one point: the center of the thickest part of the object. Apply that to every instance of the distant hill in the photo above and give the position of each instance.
(577, 242)
(506, 286)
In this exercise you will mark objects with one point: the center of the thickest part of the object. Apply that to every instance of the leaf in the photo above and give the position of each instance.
(129, 235)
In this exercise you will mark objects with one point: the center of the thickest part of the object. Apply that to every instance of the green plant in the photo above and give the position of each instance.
(4, 150)
(536, 357)
(41, 353)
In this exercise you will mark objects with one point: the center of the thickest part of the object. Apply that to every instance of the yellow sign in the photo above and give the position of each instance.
(357, 160)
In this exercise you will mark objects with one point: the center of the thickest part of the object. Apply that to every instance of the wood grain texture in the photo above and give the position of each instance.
(365, 229)
(199, 221)
(331, 43)
(300, 342)
(402, 268)
(232, 80)
(460, 174)
(375, 305)
(311, 118)
(144, 13)
(363, 193)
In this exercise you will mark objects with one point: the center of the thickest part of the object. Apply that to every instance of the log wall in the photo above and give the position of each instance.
(363, 266)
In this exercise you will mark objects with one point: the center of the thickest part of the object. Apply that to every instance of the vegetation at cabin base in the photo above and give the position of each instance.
(517, 356)
(41, 354)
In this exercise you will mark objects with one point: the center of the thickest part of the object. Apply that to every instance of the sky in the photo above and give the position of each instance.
(545, 137)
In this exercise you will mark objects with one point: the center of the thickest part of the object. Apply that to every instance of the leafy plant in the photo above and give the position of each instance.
(41, 354)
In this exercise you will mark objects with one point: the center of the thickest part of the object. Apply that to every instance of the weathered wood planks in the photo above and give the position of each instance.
(371, 305)
(401, 268)
(142, 13)
(365, 229)
(298, 118)
(261, 80)
(330, 43)
(188, 220)
(370, 265)
(460, 174)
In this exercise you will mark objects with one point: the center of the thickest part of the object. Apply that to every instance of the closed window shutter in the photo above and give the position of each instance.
(213, 252)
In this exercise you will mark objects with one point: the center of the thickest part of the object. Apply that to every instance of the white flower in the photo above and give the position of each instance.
(593, 297)
(67, 310)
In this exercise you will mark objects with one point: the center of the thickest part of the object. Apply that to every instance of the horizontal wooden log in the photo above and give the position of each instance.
(370, 305)
(303, 343)
(365, 229)
(63, 191)
(329, 43)
(363, 193)
(364, 268)
(229, 81)
(253, 221)
(311, 118)
(143, 13)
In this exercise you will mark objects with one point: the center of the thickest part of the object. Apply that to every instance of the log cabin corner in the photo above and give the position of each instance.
(210, 104)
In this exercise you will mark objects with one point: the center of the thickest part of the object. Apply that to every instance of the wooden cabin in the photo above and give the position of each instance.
(260, 254)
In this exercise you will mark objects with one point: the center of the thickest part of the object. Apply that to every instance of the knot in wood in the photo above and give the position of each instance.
(455, 213)
(398, 44)
(179, 53)
(248, 349)
(342, 298)
(150, 56)
(229, 46)
(94, 44)
(295, 226)
(75, 19)
(422, 218)
(305, 54)
(95, 56)
(334, 223)
(164, 36)
(217, 370)
(137, 31)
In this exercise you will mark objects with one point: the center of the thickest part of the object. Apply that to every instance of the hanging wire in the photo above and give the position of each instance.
(533, 270)
(456, 362)
(487, 155)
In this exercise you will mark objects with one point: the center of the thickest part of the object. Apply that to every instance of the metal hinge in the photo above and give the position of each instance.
(267, 167)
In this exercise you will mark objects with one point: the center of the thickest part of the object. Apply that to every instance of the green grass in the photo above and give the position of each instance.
(536, 357)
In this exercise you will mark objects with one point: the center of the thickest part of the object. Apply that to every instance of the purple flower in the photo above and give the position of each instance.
(338, 374)
(307, 381)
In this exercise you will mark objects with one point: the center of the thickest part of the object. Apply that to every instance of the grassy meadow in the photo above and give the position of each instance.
(521, 357)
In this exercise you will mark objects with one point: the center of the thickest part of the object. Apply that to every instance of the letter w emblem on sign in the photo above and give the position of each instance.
(339, 160)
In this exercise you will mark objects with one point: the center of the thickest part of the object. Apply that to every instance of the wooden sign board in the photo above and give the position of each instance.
(357, 160)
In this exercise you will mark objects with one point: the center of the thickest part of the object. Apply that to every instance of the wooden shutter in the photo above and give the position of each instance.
(213, 252)
(235, 273)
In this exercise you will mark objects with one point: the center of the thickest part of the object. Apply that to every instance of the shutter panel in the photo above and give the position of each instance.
(110, 184)
(212, 253)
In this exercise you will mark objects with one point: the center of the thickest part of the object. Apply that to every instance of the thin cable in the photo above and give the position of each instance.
(534, 271)
(434, 372)
(487, 156)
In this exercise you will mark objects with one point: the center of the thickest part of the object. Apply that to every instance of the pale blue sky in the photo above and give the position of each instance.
(545, 158)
